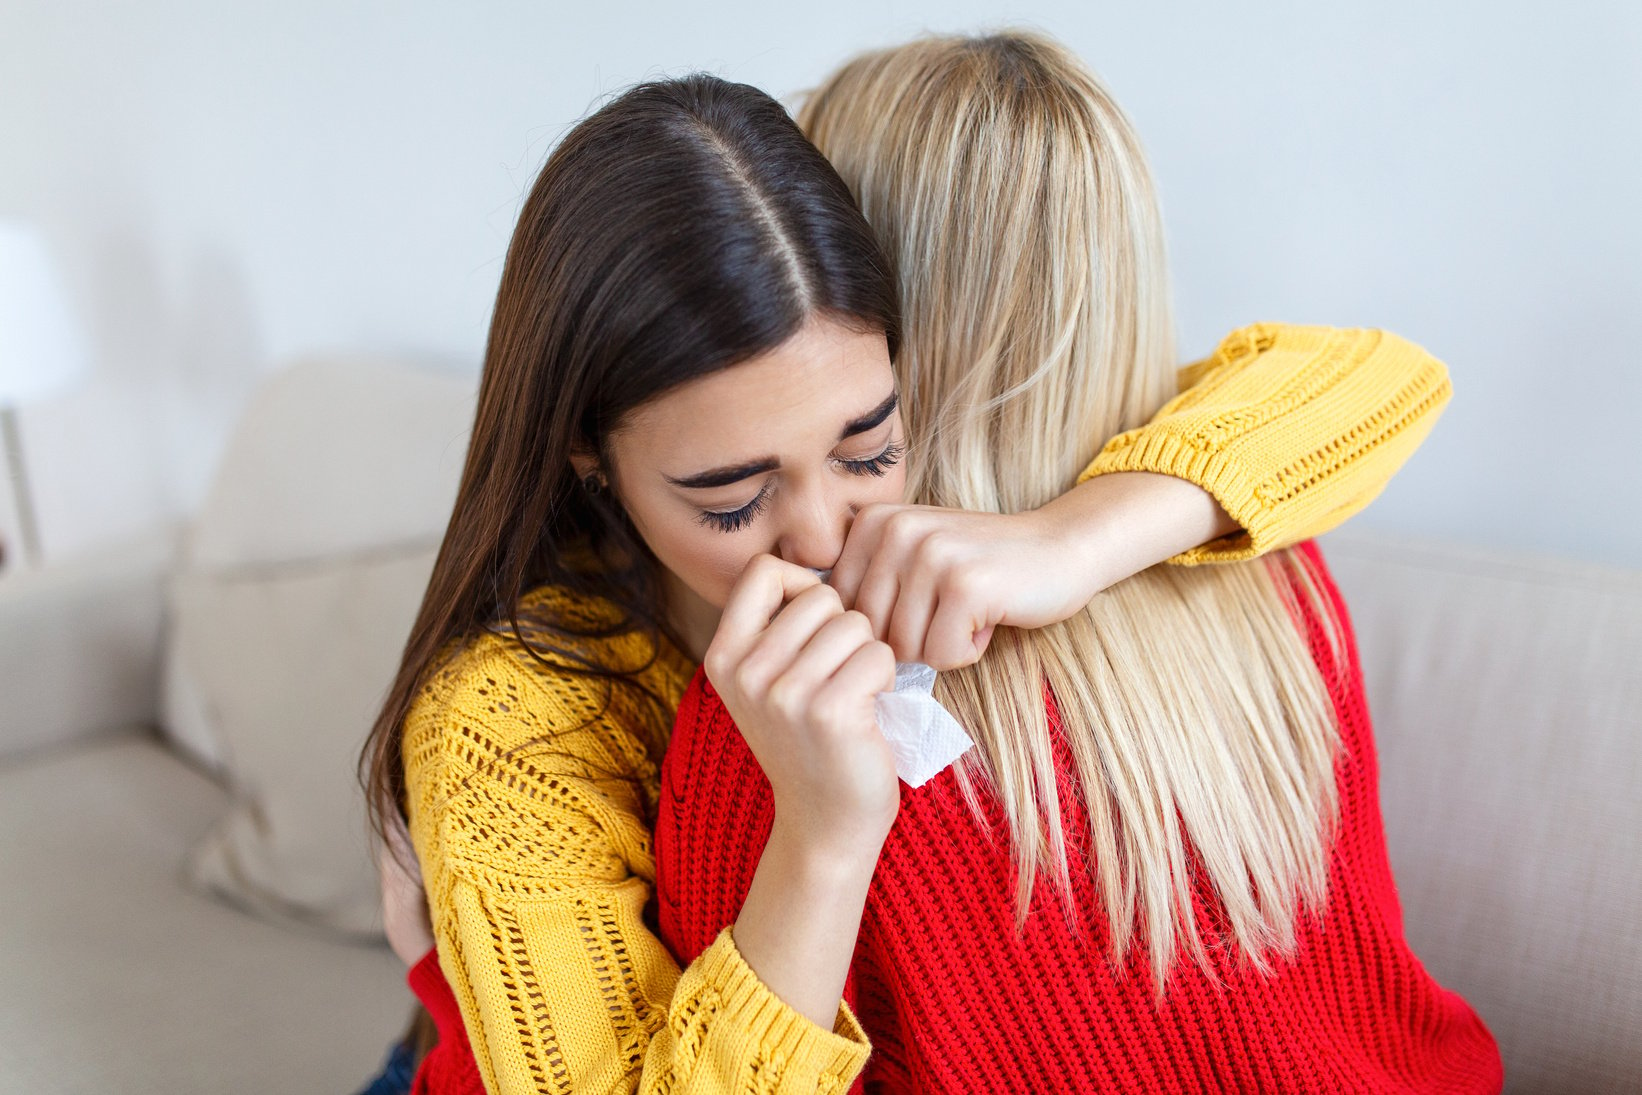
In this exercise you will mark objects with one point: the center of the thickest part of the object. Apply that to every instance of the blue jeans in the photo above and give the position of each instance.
(397, 1072)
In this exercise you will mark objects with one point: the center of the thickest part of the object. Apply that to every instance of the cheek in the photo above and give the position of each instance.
(709, 562)
(893, 485)
(704, 559)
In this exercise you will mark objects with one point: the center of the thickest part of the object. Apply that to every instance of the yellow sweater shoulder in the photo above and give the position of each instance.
(529, 788)
(500, 734)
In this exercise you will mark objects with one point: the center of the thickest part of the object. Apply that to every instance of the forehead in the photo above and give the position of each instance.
(785, 402)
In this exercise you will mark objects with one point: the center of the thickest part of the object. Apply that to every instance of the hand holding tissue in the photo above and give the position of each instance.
(923, 736)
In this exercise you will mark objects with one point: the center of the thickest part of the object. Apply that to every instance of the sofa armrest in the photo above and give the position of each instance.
(80, 645)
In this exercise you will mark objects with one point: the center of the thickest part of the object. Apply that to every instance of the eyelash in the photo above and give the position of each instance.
(736, 520)
(877, 465)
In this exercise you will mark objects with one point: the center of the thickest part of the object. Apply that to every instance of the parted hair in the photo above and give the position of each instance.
(684, 227)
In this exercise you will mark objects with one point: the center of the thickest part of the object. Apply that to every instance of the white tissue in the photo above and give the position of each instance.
(922, 734)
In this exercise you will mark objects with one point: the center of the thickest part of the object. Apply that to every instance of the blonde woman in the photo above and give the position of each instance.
(1198, 794)
(689, 398)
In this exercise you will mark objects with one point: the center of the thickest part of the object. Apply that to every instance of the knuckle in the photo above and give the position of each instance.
(747, 678)
(964, 583)
(875, 513)
(882, 660)
(824, 712)
(838, 717)
(940, 548)
(901, 533)
(786, 698)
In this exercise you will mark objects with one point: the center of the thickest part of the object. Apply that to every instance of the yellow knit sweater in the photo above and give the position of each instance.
(529, 788)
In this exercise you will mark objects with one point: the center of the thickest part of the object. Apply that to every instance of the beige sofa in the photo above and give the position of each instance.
(188, 897)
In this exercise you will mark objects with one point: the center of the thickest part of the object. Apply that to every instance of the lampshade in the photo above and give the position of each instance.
(41, 348)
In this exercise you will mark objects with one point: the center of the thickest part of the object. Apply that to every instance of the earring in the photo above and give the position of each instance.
(593, 483)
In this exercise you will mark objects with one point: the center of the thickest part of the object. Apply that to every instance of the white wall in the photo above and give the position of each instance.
(230, 185)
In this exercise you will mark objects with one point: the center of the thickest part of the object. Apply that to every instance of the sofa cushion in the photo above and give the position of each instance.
(330, 459)
(1506, 694)
(299, 581)
(291, 663)
(336, 457)
(118, 977)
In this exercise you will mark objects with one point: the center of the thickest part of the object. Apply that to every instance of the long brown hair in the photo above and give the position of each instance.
(684, 227)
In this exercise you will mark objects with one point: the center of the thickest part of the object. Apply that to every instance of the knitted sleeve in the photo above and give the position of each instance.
(525, 806)
(1292, 429)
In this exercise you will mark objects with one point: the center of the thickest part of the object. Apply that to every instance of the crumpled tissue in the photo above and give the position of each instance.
(923, 735)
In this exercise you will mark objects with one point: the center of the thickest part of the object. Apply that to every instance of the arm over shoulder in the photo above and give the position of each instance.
(1292, 429)
(527, 800)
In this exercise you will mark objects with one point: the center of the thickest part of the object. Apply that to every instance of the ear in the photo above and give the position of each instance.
(583, 462)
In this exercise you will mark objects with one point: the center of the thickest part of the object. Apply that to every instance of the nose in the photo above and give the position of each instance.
(813, 532)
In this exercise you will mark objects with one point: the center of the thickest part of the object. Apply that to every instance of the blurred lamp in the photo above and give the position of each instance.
(41, 352)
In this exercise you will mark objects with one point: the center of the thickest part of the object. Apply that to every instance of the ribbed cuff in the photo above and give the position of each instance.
(1165, 454)
(752, 1006)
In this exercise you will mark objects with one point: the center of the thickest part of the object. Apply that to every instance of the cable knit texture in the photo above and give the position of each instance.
(955, 1001)
(1292, 429)
(528, 807)
(532, 792)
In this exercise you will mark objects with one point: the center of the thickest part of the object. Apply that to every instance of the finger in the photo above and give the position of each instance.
(793, 692)
(868, 671)
(829, 648)
(911, 618)
(955, 637)
(774, 649)
(860, 547)
(897, 542)
(764, 586)
(879, 590)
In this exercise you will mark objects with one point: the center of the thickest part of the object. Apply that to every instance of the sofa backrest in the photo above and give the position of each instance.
(1506, 694)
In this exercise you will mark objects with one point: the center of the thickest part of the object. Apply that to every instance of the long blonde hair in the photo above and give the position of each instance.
(1015, 197)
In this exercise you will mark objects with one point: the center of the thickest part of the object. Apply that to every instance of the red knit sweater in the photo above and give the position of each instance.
(954, 1001)
(449, 1068)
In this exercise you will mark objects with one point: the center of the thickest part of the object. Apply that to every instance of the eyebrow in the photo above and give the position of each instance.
(723, 477)
(874, 417)
(735, 473)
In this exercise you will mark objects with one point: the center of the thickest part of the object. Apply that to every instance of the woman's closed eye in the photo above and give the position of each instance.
(737, 519)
